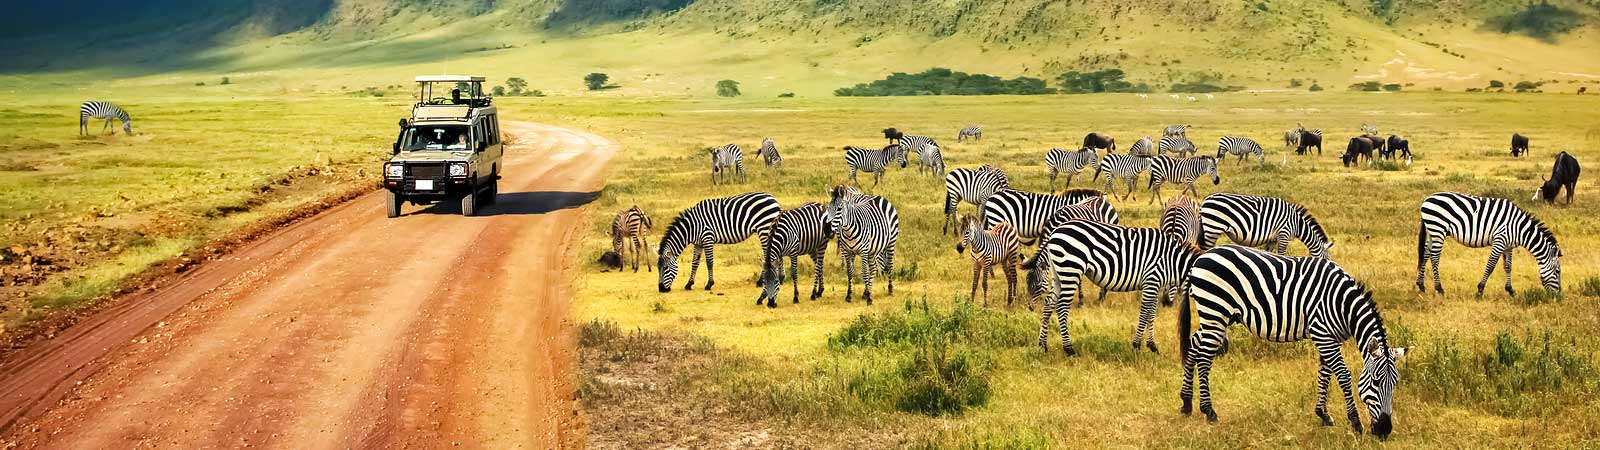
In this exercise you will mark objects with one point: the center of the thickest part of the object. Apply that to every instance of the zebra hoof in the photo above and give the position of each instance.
(1188, 408)
(1421, 289)
(1327, 421)
(709, 284)
(1511, 292)
(1069, 351)
(1152, 346)
(1211, 415)
(689, 286)
(1438, 288)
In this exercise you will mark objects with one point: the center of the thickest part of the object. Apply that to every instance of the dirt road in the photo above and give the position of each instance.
(346, 330)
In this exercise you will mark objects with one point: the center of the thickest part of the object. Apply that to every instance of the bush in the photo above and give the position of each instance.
(1315, 87)
(941, 81)
(225, 80)
(1370, 86)
(1537, 296)
(1523, 86)
(596, 81)
(499, 91)
(786, 95)
(939, 382)
(1201, 88)
(1516, 377)
(1109, 80)
(1391, 87)
(1589, 287)
(199, 83)
(1496, 84)
(1539, 20)
(1294, 83)
(727, 88)
(536, 93)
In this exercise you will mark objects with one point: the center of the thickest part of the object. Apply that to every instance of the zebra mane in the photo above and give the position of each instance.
(1305, 216)
(679, 225)
(1365, 297)
(1544, 231)
(1089, 192)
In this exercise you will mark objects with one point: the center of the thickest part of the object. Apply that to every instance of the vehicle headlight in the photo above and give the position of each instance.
(394, 170)
(458, 169)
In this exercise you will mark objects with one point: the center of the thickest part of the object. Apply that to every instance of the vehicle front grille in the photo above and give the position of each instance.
(425, 170)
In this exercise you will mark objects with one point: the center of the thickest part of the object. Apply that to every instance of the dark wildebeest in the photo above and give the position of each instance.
(1359, 146)
(1519, 145)
(1564, 174)
(892, 135)
(1400, 144)
(1378, 146)
(1099, 141)
(1308, 140)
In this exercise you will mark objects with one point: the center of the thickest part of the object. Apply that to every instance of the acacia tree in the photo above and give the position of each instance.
(516, 85)
(727, 88)
(596, 81)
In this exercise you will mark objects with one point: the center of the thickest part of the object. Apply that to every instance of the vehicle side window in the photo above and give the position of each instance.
(494, 128)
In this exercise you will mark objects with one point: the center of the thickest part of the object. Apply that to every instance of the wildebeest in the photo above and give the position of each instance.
(1359, 146)
(1519, 145)
(1563, 174)
(1378, 144)
(1399, 144)
(1100, 142)
(1308, 140)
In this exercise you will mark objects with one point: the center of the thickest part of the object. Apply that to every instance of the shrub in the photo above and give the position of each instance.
(727, 88)
(515, 86)
(1539, 20)
(225, 80)
(941, 81)
(1294, 83)
(1523, 86)
(199, 83)
(499, 91)
(786, 95)
(1537, 296)
(536, 93)
(1370, 86)
(1389, 166)
(1109, 80)
(1391, 87)
(596, 81)
(1589, 287)
(1315, 87)
(941, 382)
(1496, 84)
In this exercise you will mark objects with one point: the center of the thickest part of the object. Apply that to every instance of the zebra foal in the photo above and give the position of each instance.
(631, 226)
(995, 247)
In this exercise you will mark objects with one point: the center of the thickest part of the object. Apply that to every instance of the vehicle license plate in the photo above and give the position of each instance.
(424, 185)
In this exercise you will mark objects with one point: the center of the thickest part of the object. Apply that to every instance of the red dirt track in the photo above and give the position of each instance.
(345, 330)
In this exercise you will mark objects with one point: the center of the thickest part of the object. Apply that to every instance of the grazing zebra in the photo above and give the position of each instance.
(1240, 146)
(1116, 258)
(1143, 147)
(1099, 141)
(1479, 222)
(1291, 138)
(1121, 166)
(769, 154)
(1309, 138)
(725, 159)
(1181, 219)
(865, 226)
(975, 132)
(1288, 299)
(971, 186)
(873, 161)
(1369, 130)
(102, 110)
(1029, 212)
(727, 220)
(930, 159)
(1176, 145)
(1184, 171)
(1069, 162)
(800, 231)
(1260, 221)
(1092, 209)
(996, 247)
(631, 226)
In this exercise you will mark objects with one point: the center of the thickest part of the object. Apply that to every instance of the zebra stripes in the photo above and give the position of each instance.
(872, 161)
(800, 231)
(867, 226)
(975, 132)
(1181, 219)
(1176, 145)
(769, 154)
(1143, 147)
(1479, 222)
(1291, 138)
(1240, 146)
(631, 226)
(1028, 212)
(102, 110)
(1260, 221)
(1288, 299)
(1118, 259)
(727, 220)
(918, 144)
(996, 247)
(931, 159)
(971, 186)
(1069, 162)
(1175, 130)
(1121, 166)
(725, 159)
(1183, 171)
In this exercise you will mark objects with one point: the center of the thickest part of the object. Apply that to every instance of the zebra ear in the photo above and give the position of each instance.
(1398, 353)
(1372, 346)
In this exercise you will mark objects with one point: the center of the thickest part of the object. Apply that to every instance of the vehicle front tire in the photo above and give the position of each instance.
(392, 202)
(469, 204)
(491, 195)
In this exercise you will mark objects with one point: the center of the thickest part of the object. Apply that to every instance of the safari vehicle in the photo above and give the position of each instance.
(449, 150)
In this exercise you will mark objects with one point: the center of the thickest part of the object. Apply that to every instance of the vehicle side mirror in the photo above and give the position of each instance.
(402, 123)
(483, 146)
(396, 150)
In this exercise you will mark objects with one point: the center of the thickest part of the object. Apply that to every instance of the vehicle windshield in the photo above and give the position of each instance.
(435, 137)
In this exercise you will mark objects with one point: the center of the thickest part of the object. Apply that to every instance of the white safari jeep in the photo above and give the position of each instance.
(449, 150)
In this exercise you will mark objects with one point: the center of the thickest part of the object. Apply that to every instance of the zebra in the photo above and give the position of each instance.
(1479, 222)
(867, 226)
(725, 158)
(727, 220)
(975, 132)
(631, 226)
(102, 110)
(1369, 130)
(1116, 258)
(1291, 138)
(1260, 221)
(800, 231)
(769, 154)
(1121, 166)
(1030, 212)
(1143, 147)
(996, 247)
(1181, 219)
(1069, 162)
(971, 186)
(1288, 299)
(931, 159)
(1093, 209)
(1240, 146)
(918, 144)
(872, 161)
(1177, 145)
(1175, 130)
(1183, 171)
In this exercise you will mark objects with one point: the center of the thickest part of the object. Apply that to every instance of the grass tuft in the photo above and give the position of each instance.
(1514, 377)
(1589, 287)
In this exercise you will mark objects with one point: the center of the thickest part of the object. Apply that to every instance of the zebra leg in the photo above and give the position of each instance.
(1069, 182)
(694, 267)
(1147, 316)
(1281, 247)
(107, 126)
(1068, 289)
(1044, 321)
(1131, 181)
(638, 250)
(1323, 376)
(1335, 362)
(1507, 260)
(644, 244)
(1495, 252)
(888, 269)
(853, 177)
(816, 265)
(711, 274)
(1202, 366)
(1437, 251)
(869, 268)
(849, 275)
(1011, 281)
(1155, 192)
(794, 276)
(977, 272)
(987, 272)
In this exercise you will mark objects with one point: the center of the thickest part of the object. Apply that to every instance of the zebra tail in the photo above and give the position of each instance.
(1422, 243)
(1184, 323)
(1030, 263)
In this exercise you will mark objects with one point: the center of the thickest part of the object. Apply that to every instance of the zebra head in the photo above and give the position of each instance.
(670, 246)
(1311, 233)
(1542, 244)
(970, 226)
(1211, 169)
(1378, 379)
(839, 200)
(897, 153)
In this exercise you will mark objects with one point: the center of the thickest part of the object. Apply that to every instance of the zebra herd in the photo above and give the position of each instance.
(1063, 240)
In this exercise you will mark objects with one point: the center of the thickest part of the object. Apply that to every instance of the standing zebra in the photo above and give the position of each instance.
(1118, 259)
(1069, 162)
(1176, 145)
(1175, 130)
(872, 161)
(1029, 212)
(1121, 166)
(918, 144)
(931, 159)
(769, 154)
(1181, 219)
(724, 159)
(102, 110)
(1291, 138)
(1184, 171)
(1240, 146)
(1260, 221)
(1479, 222)
(1143, 147)
(1092, 209)
(799, 231)
(997, 247)
(727, 220)
(868, 226)
(975, 132)
(631, 226)
(971, 186)
(1288, 299)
